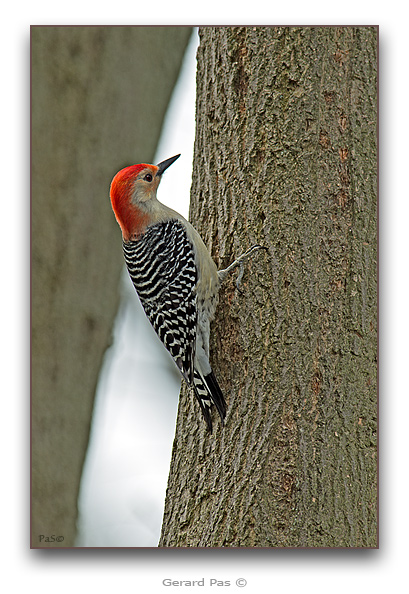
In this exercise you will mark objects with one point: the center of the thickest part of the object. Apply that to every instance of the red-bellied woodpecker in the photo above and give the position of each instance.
(174, 275)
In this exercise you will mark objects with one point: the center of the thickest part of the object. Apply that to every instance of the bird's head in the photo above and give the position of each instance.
(133, 195)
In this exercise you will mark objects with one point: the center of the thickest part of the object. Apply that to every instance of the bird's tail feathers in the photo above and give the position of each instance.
(207, 391)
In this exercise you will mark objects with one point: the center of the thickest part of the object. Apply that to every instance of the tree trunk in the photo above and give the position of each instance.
(285, 156)
(99, 95)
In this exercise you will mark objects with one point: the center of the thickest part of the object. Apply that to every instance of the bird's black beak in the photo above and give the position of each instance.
(165, 164)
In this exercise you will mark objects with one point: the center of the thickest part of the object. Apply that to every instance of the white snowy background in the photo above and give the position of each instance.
(124, 481)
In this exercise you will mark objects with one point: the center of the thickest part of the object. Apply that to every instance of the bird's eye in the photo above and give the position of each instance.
(148, 177)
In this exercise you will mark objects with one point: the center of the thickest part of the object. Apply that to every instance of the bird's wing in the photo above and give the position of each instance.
(162, 267)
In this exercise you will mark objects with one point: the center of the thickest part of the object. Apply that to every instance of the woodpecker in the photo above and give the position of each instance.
(174, 276)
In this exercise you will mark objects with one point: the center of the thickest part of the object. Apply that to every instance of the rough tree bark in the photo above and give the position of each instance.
(99, 95)
(286, 156)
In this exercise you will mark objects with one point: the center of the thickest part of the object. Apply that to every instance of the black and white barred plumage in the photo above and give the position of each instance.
(163, 269)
